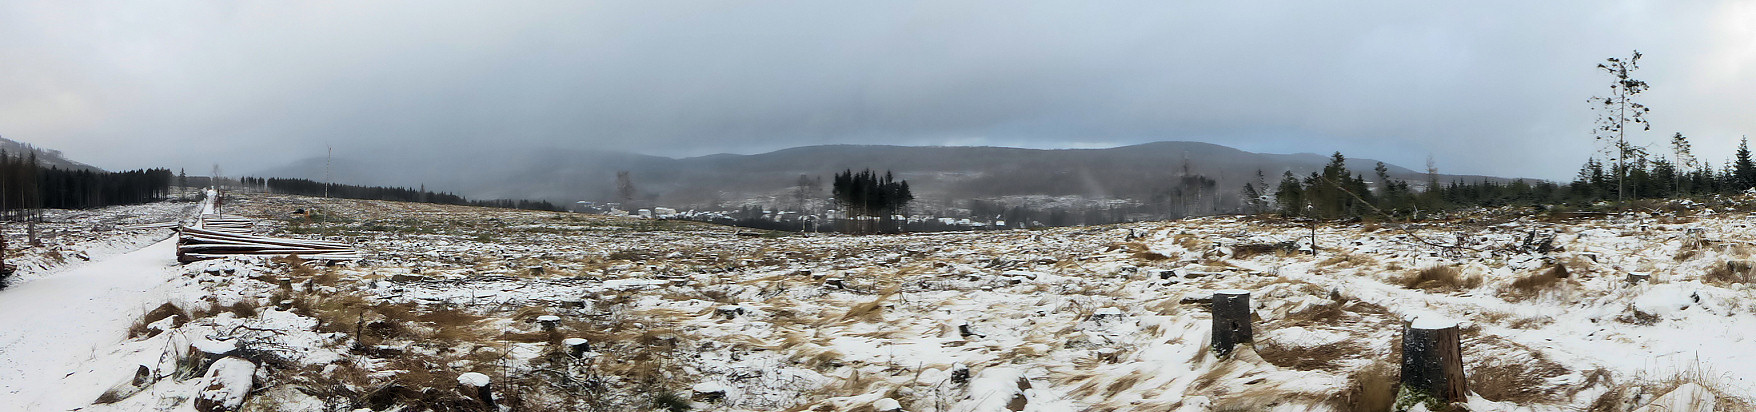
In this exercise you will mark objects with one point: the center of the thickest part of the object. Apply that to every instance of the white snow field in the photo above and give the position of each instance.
(557, 311)
(50, 327)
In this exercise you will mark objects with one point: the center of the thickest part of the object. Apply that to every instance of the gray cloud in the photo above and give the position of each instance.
(1483, 87)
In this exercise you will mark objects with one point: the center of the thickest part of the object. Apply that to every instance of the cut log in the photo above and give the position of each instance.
(1231, 320)
(1432, 365)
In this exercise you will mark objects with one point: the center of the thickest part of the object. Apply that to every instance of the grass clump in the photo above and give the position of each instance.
(670, 402)
(1522, 381)
(1372, 388)
(1530, 286)
(1731, 273)
(141, 328)
(1440, 278)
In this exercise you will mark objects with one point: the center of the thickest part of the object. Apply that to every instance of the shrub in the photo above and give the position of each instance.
(670, 401)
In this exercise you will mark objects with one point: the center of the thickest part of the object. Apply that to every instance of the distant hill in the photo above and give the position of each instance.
(46, 157)
(940, 175)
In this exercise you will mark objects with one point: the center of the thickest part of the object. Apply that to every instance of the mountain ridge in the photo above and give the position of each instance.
(940, 175)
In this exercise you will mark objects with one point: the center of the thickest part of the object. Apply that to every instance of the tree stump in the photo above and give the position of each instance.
(1231, 320)
(1432, 365)
(478, 386)
(549, 322)
(965, 330)
(577, 347)
(728, 311)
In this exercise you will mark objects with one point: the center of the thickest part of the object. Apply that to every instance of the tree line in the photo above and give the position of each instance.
(1629, 172)
(27, 187)
(307, 187)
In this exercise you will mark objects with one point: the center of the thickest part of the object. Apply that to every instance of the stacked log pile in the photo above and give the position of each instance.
(218, 237)
(232, 224)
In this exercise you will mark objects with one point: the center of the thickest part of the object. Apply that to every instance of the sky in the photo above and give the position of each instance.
(1482, 87)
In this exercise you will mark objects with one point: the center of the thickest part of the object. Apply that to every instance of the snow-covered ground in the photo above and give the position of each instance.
(75, 295)
(1097, 318)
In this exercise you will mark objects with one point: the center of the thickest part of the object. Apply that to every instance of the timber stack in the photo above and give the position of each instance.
(218, 236)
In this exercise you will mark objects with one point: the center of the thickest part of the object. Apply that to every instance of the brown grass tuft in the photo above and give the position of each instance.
(1522, 381)
(1322, 357)
(1370, 389)
(1533, 285)
(1345, 259)
(167, 310)
(1440, 277)
(1730, 273)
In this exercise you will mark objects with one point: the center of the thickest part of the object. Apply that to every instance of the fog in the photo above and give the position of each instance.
(1493, 88)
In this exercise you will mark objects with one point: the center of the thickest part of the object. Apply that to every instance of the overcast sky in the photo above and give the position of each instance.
(1483, 87)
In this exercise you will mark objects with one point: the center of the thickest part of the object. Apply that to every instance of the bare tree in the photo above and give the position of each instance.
(1618, 112)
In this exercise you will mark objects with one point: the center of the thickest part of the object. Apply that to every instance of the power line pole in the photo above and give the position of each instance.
(326, 177)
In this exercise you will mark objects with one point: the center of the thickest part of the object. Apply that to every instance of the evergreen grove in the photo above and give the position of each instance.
(307, 187)
(26, 186)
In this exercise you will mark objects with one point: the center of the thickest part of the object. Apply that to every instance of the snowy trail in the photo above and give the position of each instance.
(50, 326)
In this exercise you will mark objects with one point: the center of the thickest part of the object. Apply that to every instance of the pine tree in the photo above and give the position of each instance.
(1743, 171)
(1290, 196)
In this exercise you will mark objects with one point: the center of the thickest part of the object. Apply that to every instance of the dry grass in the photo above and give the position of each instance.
(1348, 260)
(1530, 286)
(242, 309)
(1730, 273)
(1250, 250)
(1370, 389)
(871, 311)
(1321, 357)
(1617, 398)
(1522, 381)
(167, 310)
(1440, 278)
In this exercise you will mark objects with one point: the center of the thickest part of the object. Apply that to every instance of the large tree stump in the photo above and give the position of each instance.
(478, 387)
(1231, 320)
(1432, 365)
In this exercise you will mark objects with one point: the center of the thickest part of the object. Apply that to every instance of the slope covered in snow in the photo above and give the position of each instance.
(575, 312)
